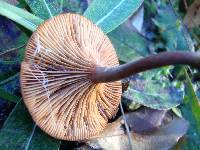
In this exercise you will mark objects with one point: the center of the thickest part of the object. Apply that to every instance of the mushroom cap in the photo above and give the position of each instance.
(55, 76)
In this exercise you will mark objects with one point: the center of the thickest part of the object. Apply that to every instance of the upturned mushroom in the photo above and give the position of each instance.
(69, 77)
(56, 80)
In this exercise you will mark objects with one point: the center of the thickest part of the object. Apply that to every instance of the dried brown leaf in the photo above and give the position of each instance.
(162, 137)
(192, 18)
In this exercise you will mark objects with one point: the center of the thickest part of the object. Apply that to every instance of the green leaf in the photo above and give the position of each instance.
(7, 70)
(8, 96)
(45, 9)
(12, 45)
(191, 111)
(9, 62)
(11, 84)
(108, 14)
(129, 45)
(20, 16)
(153, 90)
(9, 79)
(12, 38)
(20, 132)
(175, 37)
(76, 6)
(13, 41)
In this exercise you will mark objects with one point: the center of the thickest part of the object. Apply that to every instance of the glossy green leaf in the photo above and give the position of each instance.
(11, 84)
(108, 14)
(20, 16)
(8, 69)
(174, 34)
(75, 6)
(8, 96)
(45, 9)
(191, 111)
(11, 43)
(153, 90)
(9, 79)
(21, 133)
(12, 38)
(129, 45)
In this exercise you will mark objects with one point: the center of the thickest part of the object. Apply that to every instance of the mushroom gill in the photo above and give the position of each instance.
(56, 84)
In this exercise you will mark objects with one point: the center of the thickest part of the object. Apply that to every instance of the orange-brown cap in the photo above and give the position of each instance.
(60, 57)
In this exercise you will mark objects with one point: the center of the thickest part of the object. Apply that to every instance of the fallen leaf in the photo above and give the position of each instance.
(192, 18)
(145, 120)
(165, 137)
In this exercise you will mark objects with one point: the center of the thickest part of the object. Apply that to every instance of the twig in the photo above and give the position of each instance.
(126, 126)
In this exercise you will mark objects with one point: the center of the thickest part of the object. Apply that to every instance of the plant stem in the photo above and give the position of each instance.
(103, 74)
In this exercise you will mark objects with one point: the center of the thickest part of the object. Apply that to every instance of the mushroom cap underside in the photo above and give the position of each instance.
(55, 79)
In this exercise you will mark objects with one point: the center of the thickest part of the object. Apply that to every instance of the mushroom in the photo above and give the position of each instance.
(60, 59)
(69, 77)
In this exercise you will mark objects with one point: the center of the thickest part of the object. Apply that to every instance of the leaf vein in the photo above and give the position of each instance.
(109, 13)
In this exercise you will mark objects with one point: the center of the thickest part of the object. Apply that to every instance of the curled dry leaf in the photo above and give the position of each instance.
(162, 138)
(146, 120)
(192, 18)
(56, 78)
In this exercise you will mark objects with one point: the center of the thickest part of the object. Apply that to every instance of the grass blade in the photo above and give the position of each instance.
(191, 111)
(20, 16)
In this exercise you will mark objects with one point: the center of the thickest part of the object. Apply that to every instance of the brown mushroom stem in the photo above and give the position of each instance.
(103, 74)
